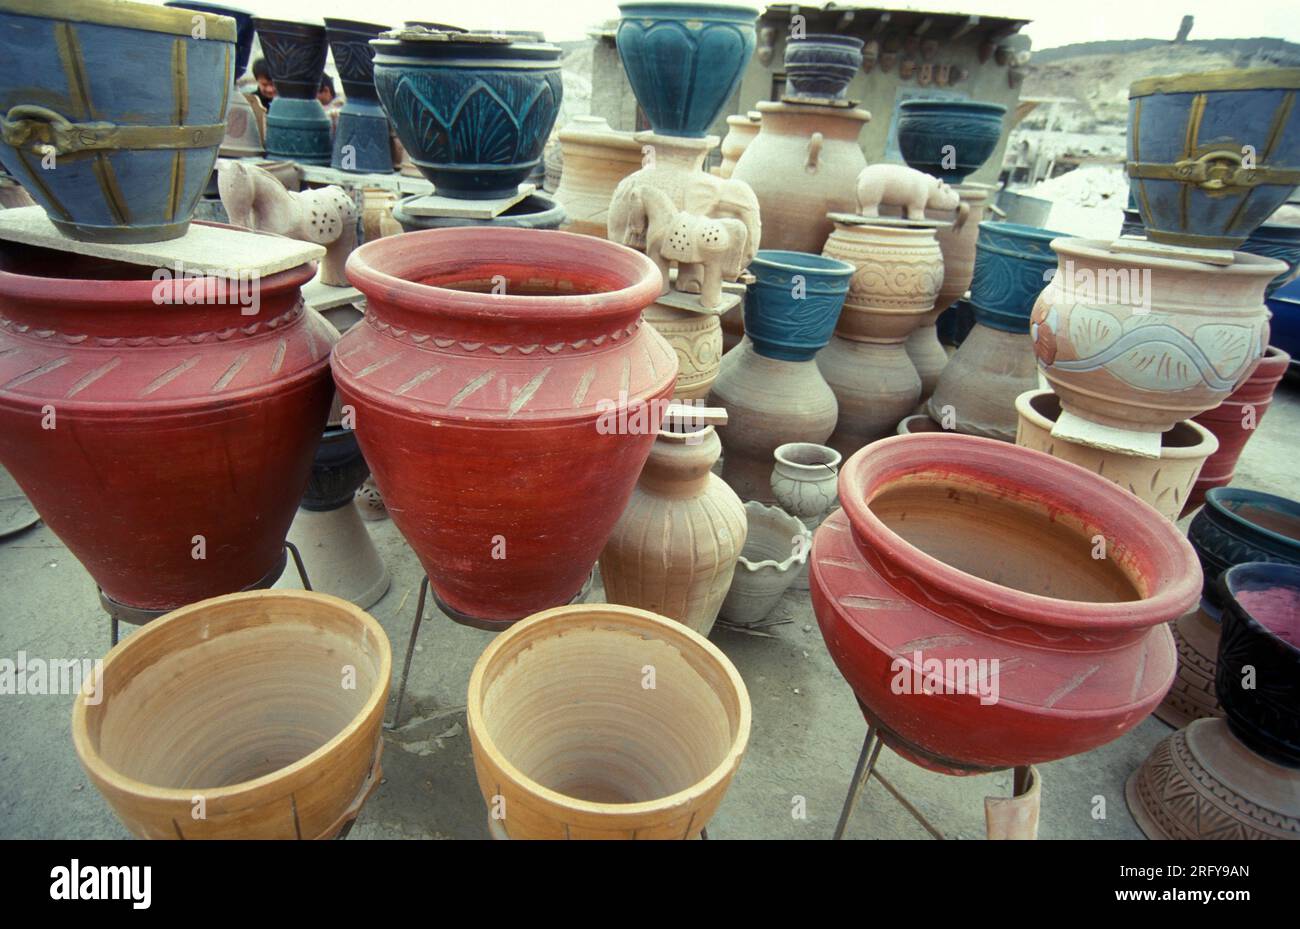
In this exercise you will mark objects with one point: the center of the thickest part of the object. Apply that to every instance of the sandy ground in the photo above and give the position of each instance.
(806, 736)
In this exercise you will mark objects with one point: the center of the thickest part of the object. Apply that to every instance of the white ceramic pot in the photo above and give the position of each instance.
(775, 550)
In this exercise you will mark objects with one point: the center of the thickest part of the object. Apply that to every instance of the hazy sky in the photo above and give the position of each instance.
(1055, 22)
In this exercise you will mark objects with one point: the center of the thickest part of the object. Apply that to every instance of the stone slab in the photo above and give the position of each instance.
(395, 181)
(321, 297)
(435, 205)
(1137, 245)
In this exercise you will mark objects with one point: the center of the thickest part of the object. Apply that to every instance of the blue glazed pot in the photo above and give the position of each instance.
(1238, 526)
(473, 112)
(1010, 261)
(361, 135)
(297, 128)
(1273, 240)
(89, 96)
(1186, 139)
(955, 323)
(927, 127)
(1261, 644)
(685, 60)
(822, 65)
(1285, 324)
(792, 306)
(243, 27)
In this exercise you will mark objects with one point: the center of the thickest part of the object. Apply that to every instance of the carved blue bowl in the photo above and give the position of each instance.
(793, 305)
(1011, 262)
(950, 139)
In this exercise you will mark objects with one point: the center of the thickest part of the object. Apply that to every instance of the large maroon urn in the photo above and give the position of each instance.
(506, 396)
(165, 437)
(962, 550)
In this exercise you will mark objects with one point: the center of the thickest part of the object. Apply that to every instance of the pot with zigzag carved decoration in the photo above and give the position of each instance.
(507, 396)
(361, 138)
(994, 607)
(297, 127)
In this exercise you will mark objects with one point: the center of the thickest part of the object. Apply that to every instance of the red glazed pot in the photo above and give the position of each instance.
(485, 417)
(1234, 421)
(170, 421)
(957, 547)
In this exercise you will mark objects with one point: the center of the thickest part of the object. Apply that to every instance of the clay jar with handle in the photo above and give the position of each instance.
(741, 130)
(803, 164)
(596, 158)
(505, 393)
(148, 431)
(952, 549)
(674, 549)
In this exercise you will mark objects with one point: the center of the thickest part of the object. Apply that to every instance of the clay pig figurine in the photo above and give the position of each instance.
(911, 190)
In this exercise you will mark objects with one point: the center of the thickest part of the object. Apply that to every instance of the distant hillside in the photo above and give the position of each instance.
(1277, 52)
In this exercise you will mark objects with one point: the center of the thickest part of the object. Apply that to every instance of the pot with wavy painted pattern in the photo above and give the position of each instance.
(504, 387)
(905, 575)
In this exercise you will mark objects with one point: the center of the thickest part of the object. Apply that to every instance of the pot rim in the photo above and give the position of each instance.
(775, 514)
(639, 281)
(1217, 499)
(830, 38)
(1056, 485)
(1244, 264)
(126, 14)
(1245, 573)
(559, 619)
(970, 106)
(1227, 79)
(1206, 445)
(97, 767)
(291, 25)
(782, 259)
(783, 451)
(671, 10)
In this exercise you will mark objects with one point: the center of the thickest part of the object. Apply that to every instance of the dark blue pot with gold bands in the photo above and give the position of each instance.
(1212, 155)
(1010, 263)
(244, 30)
(111, 115)
(795, 300)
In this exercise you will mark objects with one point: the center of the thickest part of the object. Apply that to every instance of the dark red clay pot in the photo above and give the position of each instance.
(170, 420)
(1228, 423)
(480, 413)
(967, 548)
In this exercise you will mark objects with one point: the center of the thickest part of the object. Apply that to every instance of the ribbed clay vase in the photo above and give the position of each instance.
(596, 158)
(182, 427)
(1134, 344)
(805, 481)
(604, 722)
(741, 130)
(507, 396)
(1163, 482)
(297, 127)
(803, 164)
(897, 276)
(978, 388)
(1235, 420)
(775, 553)
(262, 711)
(674, 549)
(951, 548)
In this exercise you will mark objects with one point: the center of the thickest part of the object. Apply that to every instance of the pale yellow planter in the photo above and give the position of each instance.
(596, 721)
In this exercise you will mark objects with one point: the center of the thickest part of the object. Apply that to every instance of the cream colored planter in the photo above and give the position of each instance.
(250, 716)
(605, 722)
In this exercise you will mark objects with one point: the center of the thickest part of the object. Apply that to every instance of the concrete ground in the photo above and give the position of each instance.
(806, 735)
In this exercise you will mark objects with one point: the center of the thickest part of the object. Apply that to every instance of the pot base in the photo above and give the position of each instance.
(339, 554)
(1202, 783)
(500, 625)
(1075, 428)
(1196, 636)
(122, 235)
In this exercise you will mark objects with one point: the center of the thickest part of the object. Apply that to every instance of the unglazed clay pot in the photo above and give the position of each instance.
(674, 548)
(741, 130)
(297, 127)
(804, 483)
(1127, 367)
(185, 428)
(596, 158)
(894, 286)
(505, 430)
(776, 550)
(1163, 482)
(918, 422)
(573, 740)
(1235, 420)
(905, 573)
(931, 130)
(696, 337)
(265, 707)
(803, 164)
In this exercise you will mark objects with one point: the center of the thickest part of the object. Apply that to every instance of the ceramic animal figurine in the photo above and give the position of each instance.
(327, 216)
(704, 195)
(907, 188)
(706, 250)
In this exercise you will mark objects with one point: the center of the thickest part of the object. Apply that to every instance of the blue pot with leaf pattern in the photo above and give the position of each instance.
(795, 300)
(1011, 263)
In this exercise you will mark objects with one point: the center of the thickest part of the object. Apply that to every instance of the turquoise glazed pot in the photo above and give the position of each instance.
(685, 60)
(1273, 240)
(1238, 526)
(361, 136)
(1010, 263)
(297, 128)
(1191, 139)
(111, 115)
(926, 129)
(792, 306)
(473, 111)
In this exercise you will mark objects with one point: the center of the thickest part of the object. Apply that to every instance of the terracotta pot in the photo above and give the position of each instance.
(741, 130)
(930, 130)
(1163, 482)
(803, 164)
(770, 403)
(866, 365)
(954, 548)
(776, 549)
(674, 549)
(1196, 636)
(173, 421)
(804, 483)
(1235, 420)
(977, 391)
(549, 698)
(1129, 367)
(697, 340)
(1015, 817)
(596, 158)
(262, 710)
(513, 422)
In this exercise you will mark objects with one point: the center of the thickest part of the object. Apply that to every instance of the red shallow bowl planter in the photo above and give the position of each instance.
(485, 416)
(170, 421)
(964, 548)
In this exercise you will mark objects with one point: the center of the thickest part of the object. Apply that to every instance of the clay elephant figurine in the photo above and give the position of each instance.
(911, 190)
(253, 198)
(701, 195)
(706, 249)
